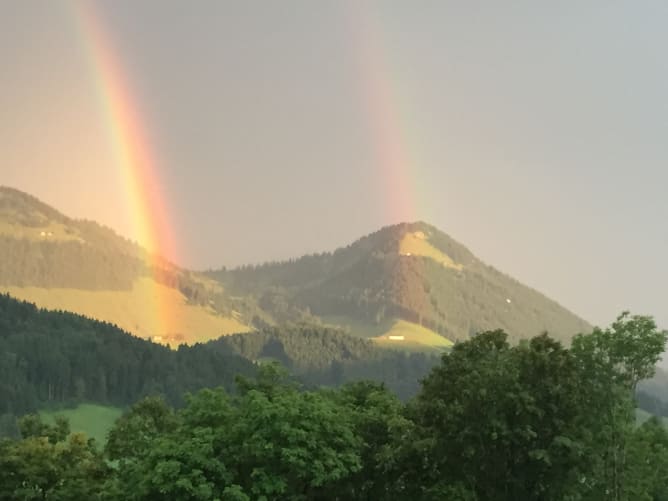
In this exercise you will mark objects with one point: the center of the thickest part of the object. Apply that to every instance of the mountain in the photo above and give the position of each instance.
(407, 285)
(64, 264)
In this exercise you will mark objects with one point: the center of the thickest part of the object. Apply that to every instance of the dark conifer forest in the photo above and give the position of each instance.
(55, 358)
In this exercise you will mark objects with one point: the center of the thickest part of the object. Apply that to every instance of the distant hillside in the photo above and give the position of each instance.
(80, 266)
(412, 273)
(325, 356)
(55, 358)
(50, 359)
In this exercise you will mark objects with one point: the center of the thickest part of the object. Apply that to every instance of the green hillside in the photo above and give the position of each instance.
(391, 333)
(330, 357)
(53, 359)
(408, 272)
(80, 266)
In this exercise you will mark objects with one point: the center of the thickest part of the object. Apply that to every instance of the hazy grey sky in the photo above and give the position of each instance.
(536, 133)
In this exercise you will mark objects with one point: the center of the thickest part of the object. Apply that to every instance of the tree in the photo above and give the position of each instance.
(134, 432)
(51, 464)
(378, 420)
(534, 421)
(32, 425)
(645, 475)
(611, 362)
(269, 442)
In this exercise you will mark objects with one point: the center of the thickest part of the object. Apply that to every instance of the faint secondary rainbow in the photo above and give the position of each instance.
(392, 155)
(131, 148)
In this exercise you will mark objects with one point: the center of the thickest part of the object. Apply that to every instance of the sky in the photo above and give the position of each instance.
(532, 132)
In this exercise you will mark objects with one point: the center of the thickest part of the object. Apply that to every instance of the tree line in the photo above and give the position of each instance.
(52, 358)
(319, 356)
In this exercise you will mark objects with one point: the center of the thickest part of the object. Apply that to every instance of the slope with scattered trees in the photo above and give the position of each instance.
(45, 251)
(408, 271)
(330, 357)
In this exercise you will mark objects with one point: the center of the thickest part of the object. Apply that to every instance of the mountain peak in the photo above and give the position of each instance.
(419, 239)
(22, 209)
(409, 279)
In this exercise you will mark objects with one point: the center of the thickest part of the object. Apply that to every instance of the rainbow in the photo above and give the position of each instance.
(392, 155)
(132, 151)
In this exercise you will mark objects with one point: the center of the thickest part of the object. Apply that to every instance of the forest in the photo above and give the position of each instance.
(318, 356)
(492, 420)
(51, 359)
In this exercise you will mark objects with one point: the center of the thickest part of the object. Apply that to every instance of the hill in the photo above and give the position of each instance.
(321, 356)
(410, 273)
(79, 266)
(50, 359)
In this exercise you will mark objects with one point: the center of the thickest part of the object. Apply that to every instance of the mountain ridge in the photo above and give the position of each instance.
(407, 285)
(77, 265)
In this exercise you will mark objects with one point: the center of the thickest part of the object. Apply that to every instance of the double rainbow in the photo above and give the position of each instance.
(137, 163)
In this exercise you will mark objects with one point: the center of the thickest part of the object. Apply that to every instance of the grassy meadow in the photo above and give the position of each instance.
(92, 419)
(416, 337)
(135, 310)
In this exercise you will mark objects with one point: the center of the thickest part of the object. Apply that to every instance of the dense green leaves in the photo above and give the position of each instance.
(501, 421)
(611, 363)
(50, 464)
(269, 442)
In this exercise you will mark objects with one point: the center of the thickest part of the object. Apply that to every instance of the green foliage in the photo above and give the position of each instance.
(499, 420)
(611, 364)
(135, 430)
(31, 425)
(269, 442)
(51, 464)
(93, 420)
(379, 422)
(534, 421)
(330, 357)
